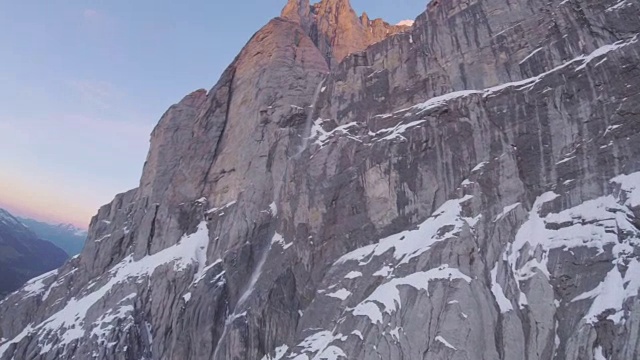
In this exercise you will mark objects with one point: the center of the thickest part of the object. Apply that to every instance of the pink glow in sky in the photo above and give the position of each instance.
(33, 199)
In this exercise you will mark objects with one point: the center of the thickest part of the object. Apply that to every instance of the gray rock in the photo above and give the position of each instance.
(467, 189)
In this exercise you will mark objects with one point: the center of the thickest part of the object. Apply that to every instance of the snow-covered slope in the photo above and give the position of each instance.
(467, 189)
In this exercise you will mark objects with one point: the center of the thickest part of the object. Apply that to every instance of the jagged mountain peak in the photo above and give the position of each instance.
(301, 6)
(335, 27)
(72, 229)
(295, 10)
(68, 237)
(8, 218)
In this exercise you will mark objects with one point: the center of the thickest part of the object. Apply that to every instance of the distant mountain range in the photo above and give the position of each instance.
(23, 255)
(66, 236)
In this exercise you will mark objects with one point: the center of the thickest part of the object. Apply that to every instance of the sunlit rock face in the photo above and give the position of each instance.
(468, 188)
(336, 29)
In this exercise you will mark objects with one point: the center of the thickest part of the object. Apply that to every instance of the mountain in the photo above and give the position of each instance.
(23, 255)
(335, 28)
(465, 188)
(66, 236)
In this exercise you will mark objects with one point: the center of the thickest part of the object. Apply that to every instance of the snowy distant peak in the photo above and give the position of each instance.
(69, 228)
(405, 23)
(68, 237)
(72, 229)
(4, 215)
(7, 218)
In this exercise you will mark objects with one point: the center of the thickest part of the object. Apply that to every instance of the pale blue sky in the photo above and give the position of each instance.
(82, 83)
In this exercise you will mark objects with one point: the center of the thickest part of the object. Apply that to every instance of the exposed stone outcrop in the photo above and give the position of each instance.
(336, 29)
(466, 189)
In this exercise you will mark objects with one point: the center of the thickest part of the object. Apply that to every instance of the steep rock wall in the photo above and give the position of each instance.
(467, 191)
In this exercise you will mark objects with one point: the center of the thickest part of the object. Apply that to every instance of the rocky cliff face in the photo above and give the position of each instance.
(23, 255)
(467, 189)
(335, 28)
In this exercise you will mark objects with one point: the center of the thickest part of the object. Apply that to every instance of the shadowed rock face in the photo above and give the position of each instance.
(23, 255)
(468, 189)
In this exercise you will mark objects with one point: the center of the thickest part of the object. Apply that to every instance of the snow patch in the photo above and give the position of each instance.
(630, 184)
(99, 240)
(612, 292)
(110, 320)
(396, 131)
(395, 333)
(435, 102)
(387, 295)
(412, 243)
(503, 303)
(319, 343)
(479, 166)
(341, 294)
(219, 209)
(9, 219)
(67, 323)
(598, 354)
(443, 99)
(604, 50)
(619, 5)
(441, 340)
(36, 285)
(323, 137)
(273, 208)
(57, 283)
(611, 128)
(358, 334)
(606, 220)
(331, 353)
(279, 353)
(505, 211)
(565, 160)
(279, 239)
(585, 59)
(202, 273)
(353, 275)
(186, 297)
(384, 272)
(531, 55)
